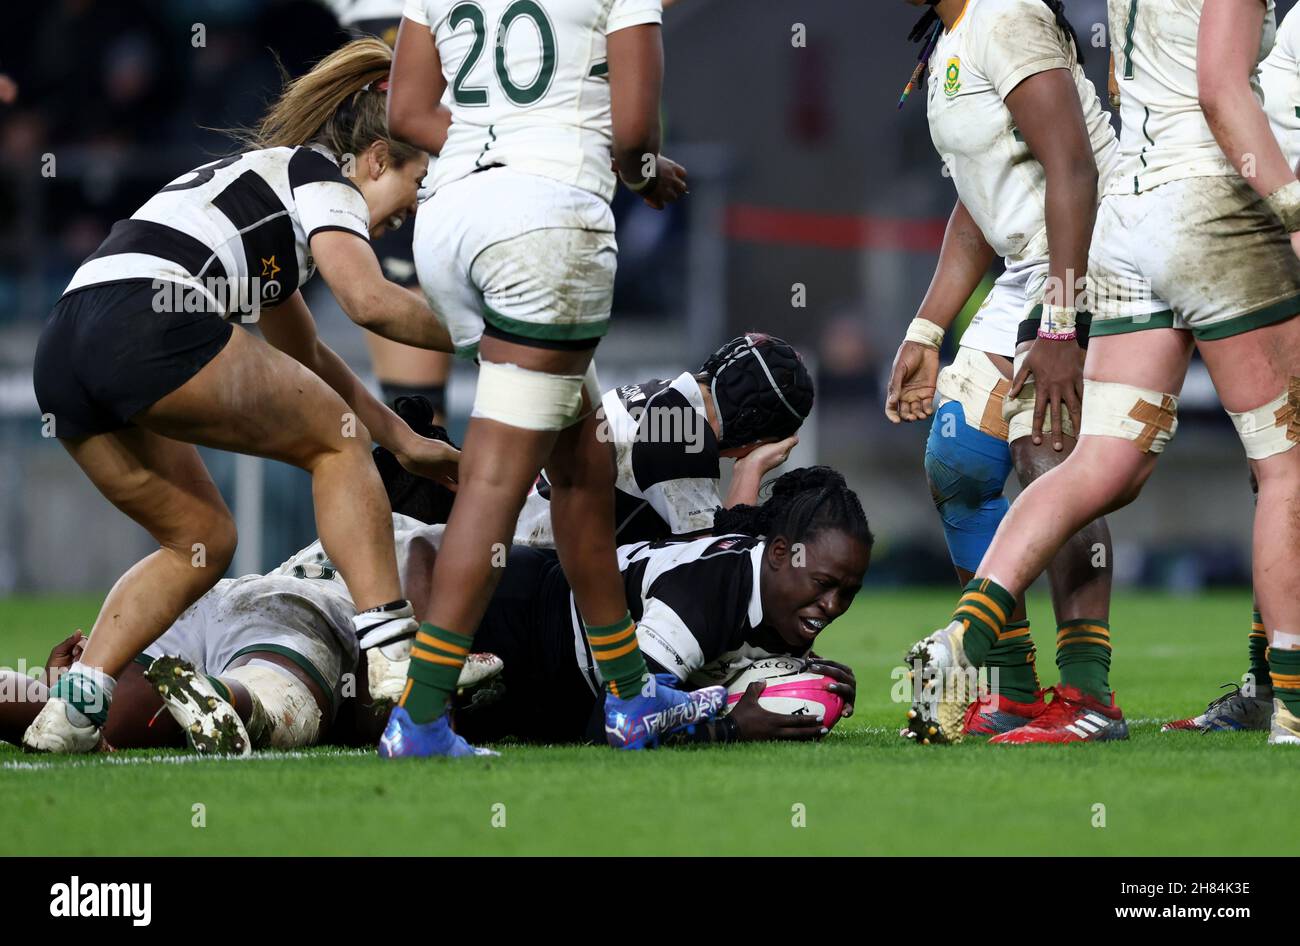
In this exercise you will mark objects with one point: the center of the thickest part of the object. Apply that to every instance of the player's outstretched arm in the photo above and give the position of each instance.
(291, 328)
(352, 271)
(963, 260)
(416, 85)
(1227, 49)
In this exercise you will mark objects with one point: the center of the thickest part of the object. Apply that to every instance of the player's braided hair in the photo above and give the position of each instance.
(340, 104)
(800, 504)
(929, 28)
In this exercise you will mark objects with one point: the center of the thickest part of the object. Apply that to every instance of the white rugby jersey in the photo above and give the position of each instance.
(993, 47)
(529, 84)
(237, 230)
(1279, 78)
(312, 562)
(697, 606)
(369, 17)
(1165, 135)
(667, 463)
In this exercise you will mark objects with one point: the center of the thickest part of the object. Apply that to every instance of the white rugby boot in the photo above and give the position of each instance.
(940, 694)
(1285, 730)
(211, 725)
(52, 731)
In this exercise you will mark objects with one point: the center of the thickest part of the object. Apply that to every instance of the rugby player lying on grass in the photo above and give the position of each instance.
(745, 403)
(767, 581)
(783, 572)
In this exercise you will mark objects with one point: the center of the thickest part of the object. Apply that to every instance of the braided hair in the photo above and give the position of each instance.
(929, 28)
(800, 504)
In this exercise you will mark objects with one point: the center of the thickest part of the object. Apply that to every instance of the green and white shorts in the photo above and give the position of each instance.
(525, 254)
(1202, 254)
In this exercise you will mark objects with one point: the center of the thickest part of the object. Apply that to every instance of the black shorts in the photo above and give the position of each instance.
(529, 625)
(105, 354)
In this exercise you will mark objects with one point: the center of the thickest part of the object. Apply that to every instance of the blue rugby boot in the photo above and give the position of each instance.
(639, 723)
(405, 738)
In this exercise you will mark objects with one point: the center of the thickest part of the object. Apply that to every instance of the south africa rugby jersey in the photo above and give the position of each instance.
(529, 84)
(1165, 135)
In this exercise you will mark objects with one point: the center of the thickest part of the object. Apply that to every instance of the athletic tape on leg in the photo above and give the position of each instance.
(290, 708)
(1272, 429)
(531, 400)
(1148, 418)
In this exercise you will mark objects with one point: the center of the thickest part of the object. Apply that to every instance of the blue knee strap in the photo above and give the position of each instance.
(967, 470)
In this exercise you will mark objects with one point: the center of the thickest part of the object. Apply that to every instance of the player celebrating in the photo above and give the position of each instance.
(400, 369)
(1022, 132)
(746, 402)
(140, 360)
(516, 251)
(1198, 217)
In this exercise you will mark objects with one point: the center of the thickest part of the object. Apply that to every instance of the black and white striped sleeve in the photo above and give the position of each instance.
(326, 200)
(675, 463)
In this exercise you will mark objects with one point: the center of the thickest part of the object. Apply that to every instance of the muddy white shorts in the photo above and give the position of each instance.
(519, 255)
(1203, 254)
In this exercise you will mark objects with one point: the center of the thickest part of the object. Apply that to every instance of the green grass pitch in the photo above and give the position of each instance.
(861, 791)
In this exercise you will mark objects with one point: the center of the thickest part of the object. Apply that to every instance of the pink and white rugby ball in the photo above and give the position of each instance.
(790, 689)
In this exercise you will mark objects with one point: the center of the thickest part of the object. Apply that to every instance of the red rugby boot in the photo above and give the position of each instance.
(1071, 716)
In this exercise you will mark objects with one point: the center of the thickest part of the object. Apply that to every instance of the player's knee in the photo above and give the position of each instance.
(215, 542)
(966, 470)
(1270, 429)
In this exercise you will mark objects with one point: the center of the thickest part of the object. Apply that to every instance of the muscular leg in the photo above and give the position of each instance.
(1102, 474)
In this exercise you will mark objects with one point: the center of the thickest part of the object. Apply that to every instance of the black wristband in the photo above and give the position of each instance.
(1028, 330)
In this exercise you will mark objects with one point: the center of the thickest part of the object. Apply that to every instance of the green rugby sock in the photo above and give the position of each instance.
(985, 607)
(1259, 652)
(1285, 673)
(1083, 656)
(618, 655)
(1013, 658)
(436, 660)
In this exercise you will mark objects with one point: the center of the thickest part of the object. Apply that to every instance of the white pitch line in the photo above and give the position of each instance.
(110, 759)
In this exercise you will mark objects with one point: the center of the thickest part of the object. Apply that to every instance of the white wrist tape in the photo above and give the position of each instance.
(1285, 202)
(924, 332)
(1273, 428)
(1059, 320)
(1148, 418)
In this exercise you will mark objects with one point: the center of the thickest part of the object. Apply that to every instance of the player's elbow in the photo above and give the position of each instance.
(1217, 92)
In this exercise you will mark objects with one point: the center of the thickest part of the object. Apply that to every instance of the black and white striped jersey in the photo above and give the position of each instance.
(234, 234)
(667, 462)
(697, 605)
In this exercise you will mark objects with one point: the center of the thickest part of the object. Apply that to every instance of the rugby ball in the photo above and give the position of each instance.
(790, 689)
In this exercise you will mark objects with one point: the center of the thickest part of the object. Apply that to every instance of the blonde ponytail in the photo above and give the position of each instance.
(340, 104)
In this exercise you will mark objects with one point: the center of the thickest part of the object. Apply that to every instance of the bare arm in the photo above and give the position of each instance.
(963, 260)
(1046, 109)
(1226, 54)
(415, 89)
(350, 268)
(291, 328)
(636, 76)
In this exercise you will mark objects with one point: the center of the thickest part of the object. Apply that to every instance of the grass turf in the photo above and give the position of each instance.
(862, 790)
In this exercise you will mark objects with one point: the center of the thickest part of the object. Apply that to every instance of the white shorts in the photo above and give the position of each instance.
(1202, 254)
(526, 255)
(1016, 296)
(302, 619)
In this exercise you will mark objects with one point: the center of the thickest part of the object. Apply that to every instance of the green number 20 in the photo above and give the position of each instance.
(521, 95)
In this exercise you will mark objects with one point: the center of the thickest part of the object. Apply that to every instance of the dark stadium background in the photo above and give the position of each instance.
(804, 174)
